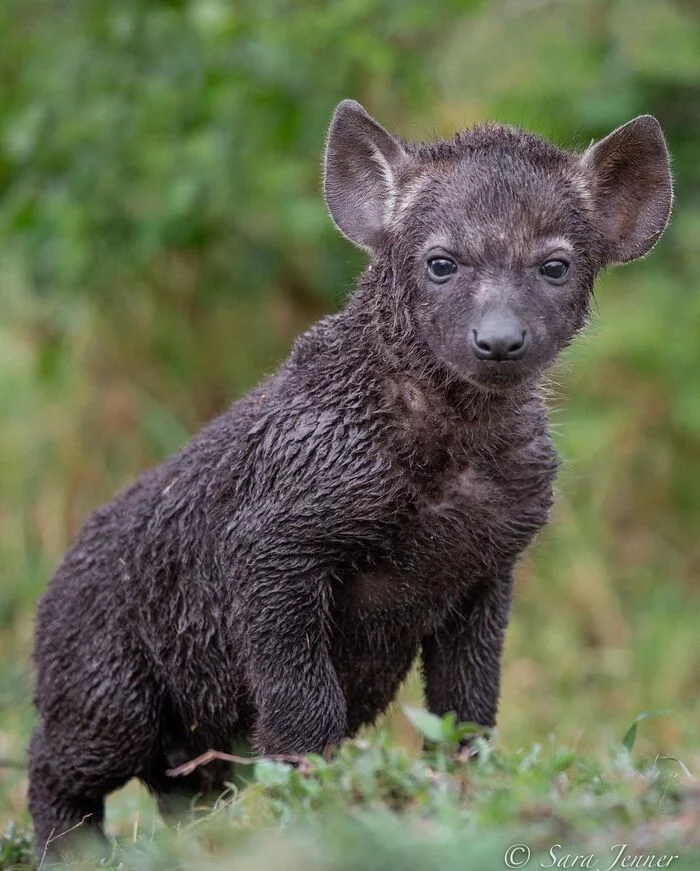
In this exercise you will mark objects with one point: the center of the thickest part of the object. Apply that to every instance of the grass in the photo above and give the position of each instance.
(376, 805)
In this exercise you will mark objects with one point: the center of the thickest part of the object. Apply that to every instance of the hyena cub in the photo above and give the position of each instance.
(367, 503)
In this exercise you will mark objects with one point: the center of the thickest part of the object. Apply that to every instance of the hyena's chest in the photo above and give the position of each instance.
(471, 525)
(478, 521)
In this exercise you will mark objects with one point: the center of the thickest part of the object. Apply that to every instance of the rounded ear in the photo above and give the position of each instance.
(360, 168)
(629, 177)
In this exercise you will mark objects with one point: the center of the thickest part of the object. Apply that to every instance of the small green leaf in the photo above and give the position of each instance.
(630, 737)
(463, 730)
(429, 725)
(631, 734)
(270, 773)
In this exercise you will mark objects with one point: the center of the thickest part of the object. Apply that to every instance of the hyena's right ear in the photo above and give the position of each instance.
(360, 171)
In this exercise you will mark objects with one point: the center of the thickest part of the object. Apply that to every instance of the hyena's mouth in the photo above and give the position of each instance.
(500, 377)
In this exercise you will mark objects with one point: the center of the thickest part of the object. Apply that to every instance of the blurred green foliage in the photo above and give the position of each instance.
(163, 238)
(375, 806)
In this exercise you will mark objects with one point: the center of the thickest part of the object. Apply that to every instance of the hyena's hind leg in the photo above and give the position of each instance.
(93, 737)
(67, 789)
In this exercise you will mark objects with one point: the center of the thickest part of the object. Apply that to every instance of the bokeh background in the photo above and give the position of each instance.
(163, 239)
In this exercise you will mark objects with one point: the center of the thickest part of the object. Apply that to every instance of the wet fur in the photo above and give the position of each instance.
(365, 505)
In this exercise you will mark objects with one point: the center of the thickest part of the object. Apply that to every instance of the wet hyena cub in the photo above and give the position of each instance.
(367, 503)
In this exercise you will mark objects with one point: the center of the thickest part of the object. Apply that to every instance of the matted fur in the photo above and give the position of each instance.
(365, 505)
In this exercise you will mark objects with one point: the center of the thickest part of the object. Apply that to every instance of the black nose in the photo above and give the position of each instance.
(500, 336)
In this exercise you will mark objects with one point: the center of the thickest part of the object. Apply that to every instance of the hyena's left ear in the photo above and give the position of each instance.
(629, 178)
(360, 174)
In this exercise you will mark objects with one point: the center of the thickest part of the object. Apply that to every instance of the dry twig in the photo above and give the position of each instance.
(211, 755)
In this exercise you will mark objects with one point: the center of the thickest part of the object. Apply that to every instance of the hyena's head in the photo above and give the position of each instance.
(494, 238)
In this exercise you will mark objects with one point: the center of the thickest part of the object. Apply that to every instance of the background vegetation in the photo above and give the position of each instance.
(162, 240)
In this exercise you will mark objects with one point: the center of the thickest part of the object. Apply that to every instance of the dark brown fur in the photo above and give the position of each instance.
(365, 505)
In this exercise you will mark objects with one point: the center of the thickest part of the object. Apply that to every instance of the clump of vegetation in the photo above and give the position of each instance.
(376, 805)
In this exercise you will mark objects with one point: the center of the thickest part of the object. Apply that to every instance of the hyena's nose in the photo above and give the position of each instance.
(500, 336)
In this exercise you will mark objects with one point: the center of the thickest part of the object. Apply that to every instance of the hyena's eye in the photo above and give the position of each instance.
(441, 268)
(554, 269)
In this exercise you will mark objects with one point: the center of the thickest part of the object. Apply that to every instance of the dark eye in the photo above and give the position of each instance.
(440, 269)
(554, 269)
